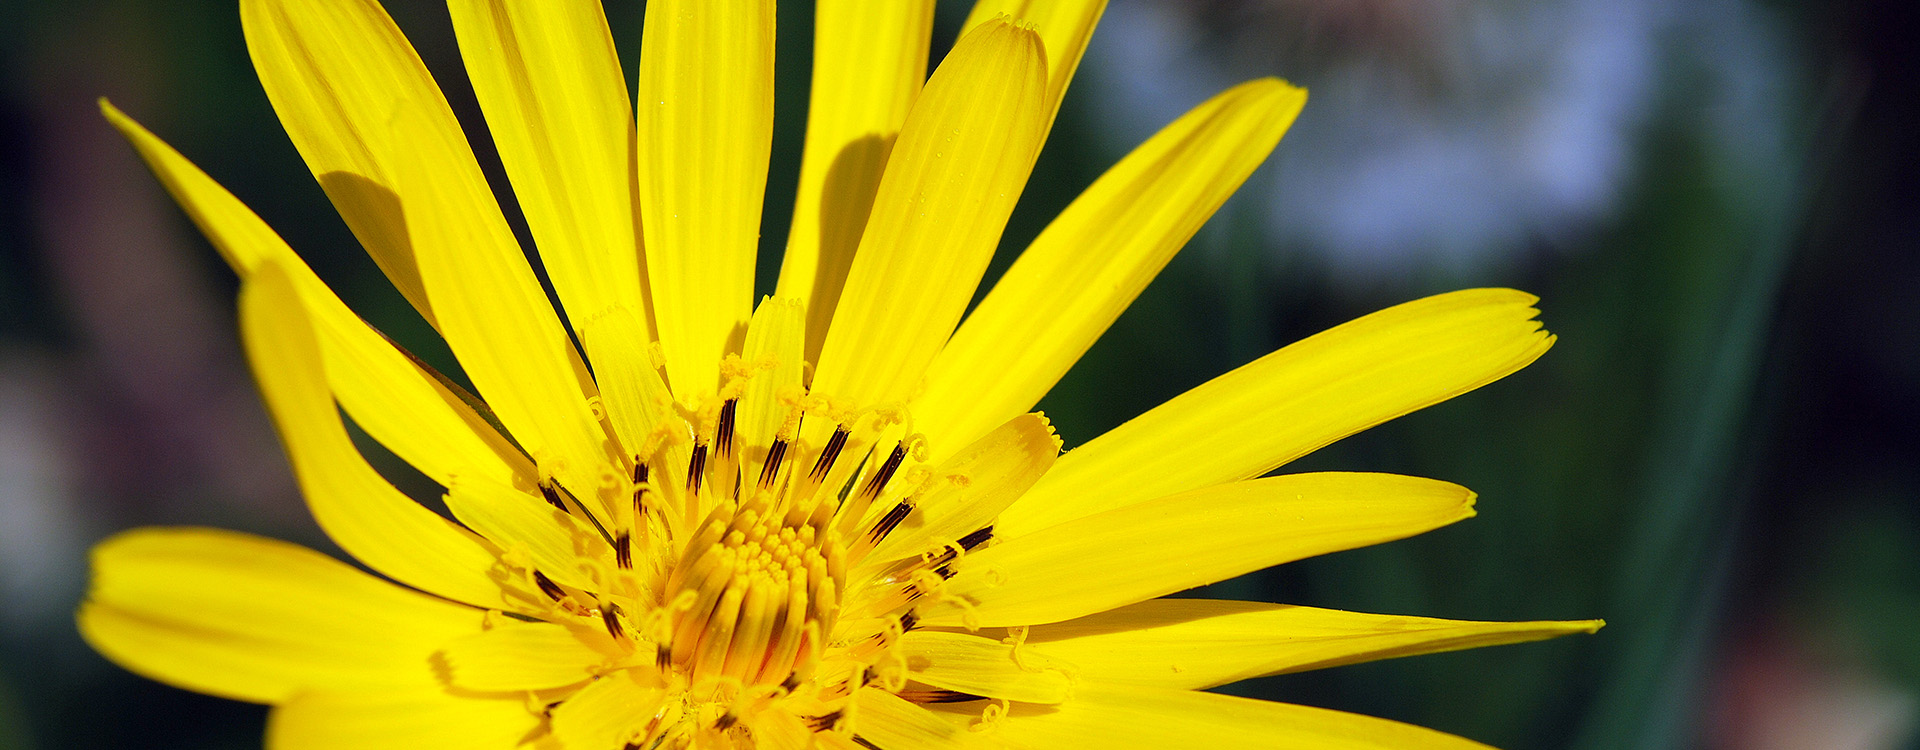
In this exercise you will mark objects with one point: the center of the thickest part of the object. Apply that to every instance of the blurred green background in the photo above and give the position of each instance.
(1716, 200)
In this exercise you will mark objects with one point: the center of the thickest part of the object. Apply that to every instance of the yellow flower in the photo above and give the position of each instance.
(821, 521)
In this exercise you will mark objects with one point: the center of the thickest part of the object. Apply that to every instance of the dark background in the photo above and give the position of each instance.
(1716, 201)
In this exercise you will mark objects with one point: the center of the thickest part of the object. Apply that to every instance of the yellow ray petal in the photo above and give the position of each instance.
(256, 619)
(636, 398)
(776, 342)
(1288, 403)
(515, 656)
(498, 322)
(355, 506)
(1117, 716)
(1149, 549)
(1095, 258)
(983, 666)
(969, 490)
(549, 82)
(962, 158)
(560, 544)
(606, 713)
(1192, 644)
(779, 730)
(1064, 26)
(401, 720)
(884, 720)
(869, 60)
(336, 73)
(705, 116)
(392, 398)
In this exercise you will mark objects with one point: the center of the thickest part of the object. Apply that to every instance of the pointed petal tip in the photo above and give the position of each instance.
(1277, 87)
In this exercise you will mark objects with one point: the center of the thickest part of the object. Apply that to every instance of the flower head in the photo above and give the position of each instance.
(824, 520)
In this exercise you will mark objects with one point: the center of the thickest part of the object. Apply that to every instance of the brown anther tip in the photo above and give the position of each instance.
(891, 520)
(623, 551)
(976, 538)
(825, 722)
(940, 696)
(885, 473)
(610, 616)
(723, 433)
(551, 493)
(697, 468)
(548, 587)
(831, 452)
(776, 454)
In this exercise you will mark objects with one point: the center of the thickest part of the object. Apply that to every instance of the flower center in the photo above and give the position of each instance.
(753, 596)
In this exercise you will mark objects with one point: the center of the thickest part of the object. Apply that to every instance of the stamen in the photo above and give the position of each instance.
(884, 474)
(552, 496)
(639, 470)
(723, 433)
(908, 620)
(976, 538)
(863, 742)
(830, 453)
(623, 551)
(776, 454)
(548, 587)
(890, 521)
(825, 722)
(697, 468)
(610, 615)
(939, 696)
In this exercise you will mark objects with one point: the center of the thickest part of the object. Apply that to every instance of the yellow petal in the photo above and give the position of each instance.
(969, 490)
(256, 619)
(516, 656)
(885, 720)
(1192, 644)
(780, 730)
(549, 83)
(776, 342)
(1149, 549)
(497, 320)
(869, 60)
(1288, 403)
(336, 73)
(637, 400)
(606, 713)
(1065, 26)
(1117, 716)
(355, 506)
(402, 406)
(705, 130)
(982, 666)
(559, 543)
(962, 158)
(401, 720)
(1091, 262)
